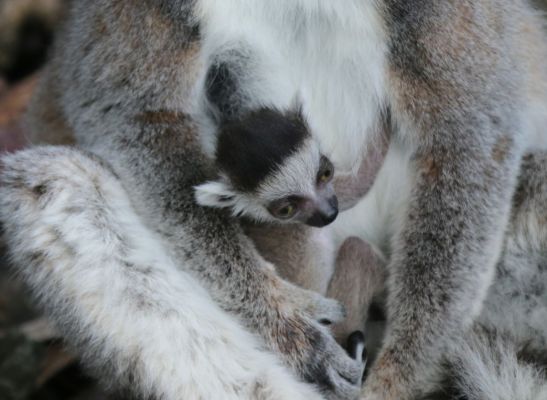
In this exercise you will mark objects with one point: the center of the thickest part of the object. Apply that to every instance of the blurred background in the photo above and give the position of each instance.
(33, 362)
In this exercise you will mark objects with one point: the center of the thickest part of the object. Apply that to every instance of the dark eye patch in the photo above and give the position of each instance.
(276, 207)
(252, 147)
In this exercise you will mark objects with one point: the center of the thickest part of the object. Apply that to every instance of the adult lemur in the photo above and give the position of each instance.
(461, 83)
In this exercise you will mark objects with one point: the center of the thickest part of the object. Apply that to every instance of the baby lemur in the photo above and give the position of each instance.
(271, 170)
(272, 174)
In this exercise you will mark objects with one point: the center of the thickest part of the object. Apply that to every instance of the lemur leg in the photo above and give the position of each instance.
(358, 278)
(139, 321)
(303, 255)
(504, 355)
(464, 143)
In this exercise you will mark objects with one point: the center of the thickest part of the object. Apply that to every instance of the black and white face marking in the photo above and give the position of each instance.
(256, 145)
(308, 199)
(271, 169)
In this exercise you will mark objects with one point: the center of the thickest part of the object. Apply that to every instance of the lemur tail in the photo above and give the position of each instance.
(489, 365)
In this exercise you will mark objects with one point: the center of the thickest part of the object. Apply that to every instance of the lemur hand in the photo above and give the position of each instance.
(301, 335)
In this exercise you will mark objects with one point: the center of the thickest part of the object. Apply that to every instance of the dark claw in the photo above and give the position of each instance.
(356, 346)
(325, 322)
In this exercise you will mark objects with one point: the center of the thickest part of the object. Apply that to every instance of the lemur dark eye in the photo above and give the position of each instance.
(284, 208)
(287, 211)
(326, 176)
(326, 171)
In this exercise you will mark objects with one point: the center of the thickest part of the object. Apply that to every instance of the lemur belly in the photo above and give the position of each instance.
(379, 214)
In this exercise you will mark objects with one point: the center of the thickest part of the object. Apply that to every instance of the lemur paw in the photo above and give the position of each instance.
(300, 333)
(338, 373)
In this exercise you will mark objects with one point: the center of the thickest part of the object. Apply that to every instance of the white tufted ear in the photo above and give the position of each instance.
(215, 194)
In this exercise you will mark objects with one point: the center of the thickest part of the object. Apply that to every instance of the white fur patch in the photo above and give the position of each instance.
(488, 369)
(330, 53)
(215, 194)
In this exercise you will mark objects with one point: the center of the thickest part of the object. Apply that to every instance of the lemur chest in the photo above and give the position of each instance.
(342, 84)
(331, 55)
(339, 72)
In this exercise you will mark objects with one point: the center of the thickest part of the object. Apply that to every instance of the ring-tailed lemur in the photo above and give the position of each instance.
(462, 83)
(272, 173)
(271, 170)
(115, 293)
(213, 248)
(501, 357)
(308, 171)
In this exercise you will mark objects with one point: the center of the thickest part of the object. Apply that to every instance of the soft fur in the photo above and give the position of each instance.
(504, 355)
(462, 86)
(137, 318)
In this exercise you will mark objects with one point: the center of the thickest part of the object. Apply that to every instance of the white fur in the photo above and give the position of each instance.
(215, 194)
(297, 174)
(488, 369)
(308, 48)
(109, 282)
(220, 194)
(379, 215)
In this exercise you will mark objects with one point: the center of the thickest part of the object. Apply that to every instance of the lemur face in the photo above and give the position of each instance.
(301, 189)
(271, 169)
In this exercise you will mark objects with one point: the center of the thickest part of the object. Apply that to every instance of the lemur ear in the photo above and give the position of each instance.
(215, 194)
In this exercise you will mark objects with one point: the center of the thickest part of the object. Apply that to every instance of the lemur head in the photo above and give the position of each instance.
(271, 169)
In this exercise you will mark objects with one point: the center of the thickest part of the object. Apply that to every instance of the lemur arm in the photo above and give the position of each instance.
(139, 322)
(459, 119)
(219, 255)
(131, 102)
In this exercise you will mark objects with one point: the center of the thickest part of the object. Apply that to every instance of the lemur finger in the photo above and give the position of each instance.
(335, 370)
(351, 368)
(343, 388)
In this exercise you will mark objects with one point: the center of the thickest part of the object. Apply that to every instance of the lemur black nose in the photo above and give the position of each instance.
(329, 218)
(326, 215)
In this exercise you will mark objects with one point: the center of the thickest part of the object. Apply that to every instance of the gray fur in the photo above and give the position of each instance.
(110, 285)
(464, 86)
(502, 356)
